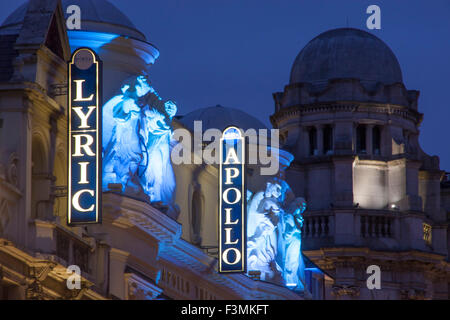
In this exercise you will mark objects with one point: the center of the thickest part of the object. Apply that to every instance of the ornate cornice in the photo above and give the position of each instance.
(299, 110)
(175, 253)
(329, 259)
(40, 278)
(345, 290)
(126, 212)
(138, 288)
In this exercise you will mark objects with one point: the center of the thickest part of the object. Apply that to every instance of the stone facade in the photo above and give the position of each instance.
(369, 186)
(138, 252)
(374, 197)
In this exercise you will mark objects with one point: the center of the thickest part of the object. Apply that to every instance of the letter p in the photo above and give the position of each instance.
(231, 173)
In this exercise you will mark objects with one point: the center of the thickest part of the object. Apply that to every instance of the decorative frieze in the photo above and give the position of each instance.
(345, 290)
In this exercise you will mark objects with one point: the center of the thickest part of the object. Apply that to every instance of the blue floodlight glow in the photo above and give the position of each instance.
(137, 129)
(91, 39)
(232, 134)
(274, 222)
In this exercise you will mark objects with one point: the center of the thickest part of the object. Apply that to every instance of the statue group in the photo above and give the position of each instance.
(137, 131)
(274, 222)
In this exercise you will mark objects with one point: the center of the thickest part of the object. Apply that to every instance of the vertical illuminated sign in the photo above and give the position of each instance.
(232, 201)
(84, 145)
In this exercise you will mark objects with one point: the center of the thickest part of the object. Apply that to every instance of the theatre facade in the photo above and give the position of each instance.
(110, 191)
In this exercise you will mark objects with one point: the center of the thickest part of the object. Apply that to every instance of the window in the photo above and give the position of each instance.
(376, 140)
(427, 231)
(361, 139)
(313, 141)
(406, 136)
(328, 139)
(196, 218)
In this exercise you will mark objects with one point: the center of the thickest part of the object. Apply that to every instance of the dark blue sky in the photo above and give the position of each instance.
(238, 52)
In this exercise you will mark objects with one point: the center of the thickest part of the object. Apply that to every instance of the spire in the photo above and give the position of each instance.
(44, 24)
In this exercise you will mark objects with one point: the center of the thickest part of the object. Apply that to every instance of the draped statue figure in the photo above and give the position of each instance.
(274, 222)
(262, 218)
(157, 178)
(137, 132)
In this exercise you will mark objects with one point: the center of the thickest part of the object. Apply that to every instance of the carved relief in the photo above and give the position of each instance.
(140, 289)
(4, 215)
(412, 294)
(345, 290)
(12, 171)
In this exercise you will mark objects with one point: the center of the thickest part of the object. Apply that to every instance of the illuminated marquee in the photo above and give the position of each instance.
(84, 180)
(232, 195)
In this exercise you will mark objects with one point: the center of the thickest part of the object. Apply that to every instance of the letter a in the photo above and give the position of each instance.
(233, 156)
(374, 21)
(374, 281)
(74, 20)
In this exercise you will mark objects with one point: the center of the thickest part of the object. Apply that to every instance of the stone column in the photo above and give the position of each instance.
(303, 142)
(343, 133)
(117, 264)
(343, 184)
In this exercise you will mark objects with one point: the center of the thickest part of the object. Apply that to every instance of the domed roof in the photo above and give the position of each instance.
(96, 15)
(346, 53)
(220, 117)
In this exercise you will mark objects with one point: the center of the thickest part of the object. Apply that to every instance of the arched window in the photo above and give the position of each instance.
(39, 186)
(196, 217)
(60, 188)
(312, 141)
(376, 140)
(328, 139)
(361, 139)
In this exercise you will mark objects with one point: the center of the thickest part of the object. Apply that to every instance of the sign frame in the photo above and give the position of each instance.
(223, 267)
(72, 220)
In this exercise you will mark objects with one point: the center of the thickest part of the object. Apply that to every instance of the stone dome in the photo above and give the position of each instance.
(220, 117)
(346, 53)
(96, 15)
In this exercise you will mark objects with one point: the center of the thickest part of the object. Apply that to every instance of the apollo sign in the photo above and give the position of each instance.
(232, 201)
(84, 145)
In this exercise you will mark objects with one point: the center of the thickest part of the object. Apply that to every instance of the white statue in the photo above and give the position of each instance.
(136, 141)
(157, 178)
(289, 256)
(274, 224)
(121, 143)
(262, 218)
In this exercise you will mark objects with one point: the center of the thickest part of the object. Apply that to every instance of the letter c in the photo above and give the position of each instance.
(76, 200)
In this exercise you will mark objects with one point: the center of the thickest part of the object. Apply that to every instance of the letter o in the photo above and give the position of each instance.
(225, 256)
(238, 196)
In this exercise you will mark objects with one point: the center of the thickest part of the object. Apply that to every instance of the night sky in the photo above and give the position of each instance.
(238, 52)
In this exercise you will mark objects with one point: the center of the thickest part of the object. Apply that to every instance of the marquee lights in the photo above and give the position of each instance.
(232, 195)
(84, 145)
